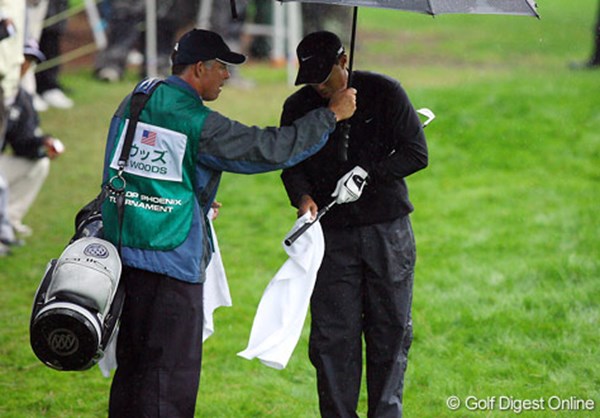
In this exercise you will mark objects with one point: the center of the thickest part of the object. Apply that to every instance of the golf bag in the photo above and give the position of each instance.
(74, 314)
(78, 303)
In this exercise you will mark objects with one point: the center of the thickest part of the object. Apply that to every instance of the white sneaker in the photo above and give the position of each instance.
(22, 230)
(109, 74)
(56, 98)
(135, 57)
(39, 104)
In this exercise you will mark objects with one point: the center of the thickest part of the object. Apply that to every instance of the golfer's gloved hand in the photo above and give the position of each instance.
(350, 186)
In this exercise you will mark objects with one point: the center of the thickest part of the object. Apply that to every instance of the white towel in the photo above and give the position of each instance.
(108, 362)
(216, 288)
(216, 294)
(284, 305)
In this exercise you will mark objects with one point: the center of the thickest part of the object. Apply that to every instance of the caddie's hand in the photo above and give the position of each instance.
(215, 209)
(343, 103)
(350, 186)
(307, 204)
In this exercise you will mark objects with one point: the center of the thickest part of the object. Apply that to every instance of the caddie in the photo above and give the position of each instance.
(179, 150)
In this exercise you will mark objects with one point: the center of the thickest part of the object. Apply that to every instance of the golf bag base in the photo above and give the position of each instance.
(77, 305)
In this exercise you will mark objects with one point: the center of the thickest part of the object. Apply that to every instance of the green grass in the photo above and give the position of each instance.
(506, 223)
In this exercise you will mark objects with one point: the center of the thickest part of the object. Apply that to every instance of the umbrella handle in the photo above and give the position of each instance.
(344, 141)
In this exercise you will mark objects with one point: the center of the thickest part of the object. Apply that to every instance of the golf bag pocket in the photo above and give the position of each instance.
(88, 221)
(77, 305)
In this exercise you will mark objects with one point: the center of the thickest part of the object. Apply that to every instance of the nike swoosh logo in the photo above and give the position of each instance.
(369, 120)
(306, 58)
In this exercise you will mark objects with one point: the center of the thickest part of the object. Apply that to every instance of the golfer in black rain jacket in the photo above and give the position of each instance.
(364, 286)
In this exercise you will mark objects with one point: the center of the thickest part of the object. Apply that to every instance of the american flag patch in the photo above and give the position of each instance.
(149, 138)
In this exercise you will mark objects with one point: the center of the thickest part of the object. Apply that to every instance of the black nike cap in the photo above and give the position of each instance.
(317, 53)
(204, 45)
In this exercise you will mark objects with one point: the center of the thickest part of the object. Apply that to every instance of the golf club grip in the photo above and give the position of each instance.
(293, 237)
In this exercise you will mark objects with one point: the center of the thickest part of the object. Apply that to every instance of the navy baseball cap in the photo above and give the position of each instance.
(204, 45)
(317, 53)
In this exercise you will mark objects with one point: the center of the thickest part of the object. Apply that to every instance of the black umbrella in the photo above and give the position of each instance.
(431, 7)
(434, 7)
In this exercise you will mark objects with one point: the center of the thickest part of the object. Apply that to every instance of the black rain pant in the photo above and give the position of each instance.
(363, 288)
(159, 348)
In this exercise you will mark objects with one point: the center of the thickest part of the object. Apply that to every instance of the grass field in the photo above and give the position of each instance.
(508, 276)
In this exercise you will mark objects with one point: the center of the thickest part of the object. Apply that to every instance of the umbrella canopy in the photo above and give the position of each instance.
(434, 7)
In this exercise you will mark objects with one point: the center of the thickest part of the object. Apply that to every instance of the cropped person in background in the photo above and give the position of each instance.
(27, 166)
(330, 17)
(125, 31)
(48, 85)
(12, 29)
(230, 27)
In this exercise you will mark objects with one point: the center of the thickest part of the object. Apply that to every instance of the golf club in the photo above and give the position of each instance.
(294, 236)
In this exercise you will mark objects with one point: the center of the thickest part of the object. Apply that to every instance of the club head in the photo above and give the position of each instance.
(428, 114)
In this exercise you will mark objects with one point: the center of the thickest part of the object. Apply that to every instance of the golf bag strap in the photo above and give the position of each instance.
(141, 94)
(38, 302)
(139, 97)
(113, 314)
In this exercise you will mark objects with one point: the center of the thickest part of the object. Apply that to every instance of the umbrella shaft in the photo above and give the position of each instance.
(352, 43)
